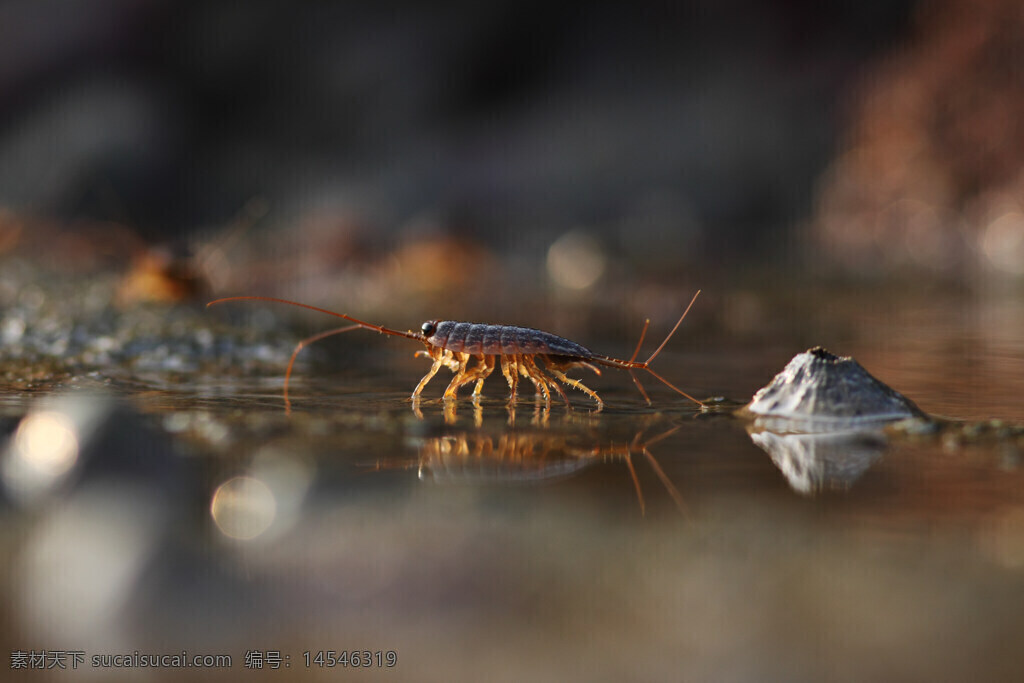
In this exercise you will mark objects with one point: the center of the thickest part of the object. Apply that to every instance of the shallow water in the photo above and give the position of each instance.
(479, 539)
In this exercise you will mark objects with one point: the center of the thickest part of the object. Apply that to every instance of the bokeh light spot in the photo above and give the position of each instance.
(576, 260)
(243, 508)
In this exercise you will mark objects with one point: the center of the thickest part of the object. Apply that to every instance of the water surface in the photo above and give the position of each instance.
(482, 539)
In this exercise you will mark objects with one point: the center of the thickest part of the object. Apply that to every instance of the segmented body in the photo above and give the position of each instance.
(451, 344)
(500, 340)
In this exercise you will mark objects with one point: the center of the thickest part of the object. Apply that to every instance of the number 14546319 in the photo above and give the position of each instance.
(326, 659)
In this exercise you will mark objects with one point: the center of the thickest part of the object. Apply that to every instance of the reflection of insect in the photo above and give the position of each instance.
(525, 458)
(517, 349)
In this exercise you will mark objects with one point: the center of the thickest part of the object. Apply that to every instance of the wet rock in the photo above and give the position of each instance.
(821, 420)
(818, 387)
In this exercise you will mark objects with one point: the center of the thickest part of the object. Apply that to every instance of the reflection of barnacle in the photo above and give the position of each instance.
(820, 419)
(816, 461)
(529, 457)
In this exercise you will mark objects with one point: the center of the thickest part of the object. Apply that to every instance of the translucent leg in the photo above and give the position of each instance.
(460, 361)
(485, 372)
(576, 384)
(438, 362)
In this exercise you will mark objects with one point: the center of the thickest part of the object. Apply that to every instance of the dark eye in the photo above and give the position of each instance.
(428, 328)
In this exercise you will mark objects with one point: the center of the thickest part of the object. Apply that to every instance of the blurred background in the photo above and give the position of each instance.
(812, 168)
(847, 174)
(460, 147)
(869, 135)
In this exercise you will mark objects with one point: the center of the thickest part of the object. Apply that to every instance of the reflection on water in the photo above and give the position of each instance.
(532, 457)
(813, 462)
(243, 507)
(537, 411)
(47, 444)
(77, 571)
(45, 447)
(355, 521)
(268, 498)
(317, 550)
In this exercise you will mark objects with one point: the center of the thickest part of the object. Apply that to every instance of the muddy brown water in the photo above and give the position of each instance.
(479, 540)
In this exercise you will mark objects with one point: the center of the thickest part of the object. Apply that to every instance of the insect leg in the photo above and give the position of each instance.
(511, 372)
(434, 352)
(521, 368)
(575, 383)
(528, 369)
(451, 361)
(477, 374)
(550, 381)
(485, 372)
(458, 366)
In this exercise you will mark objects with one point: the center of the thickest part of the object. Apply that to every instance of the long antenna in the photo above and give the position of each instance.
(678, 323)
(360, 323)
(632, 364)
(643, 334)
(298, 347)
